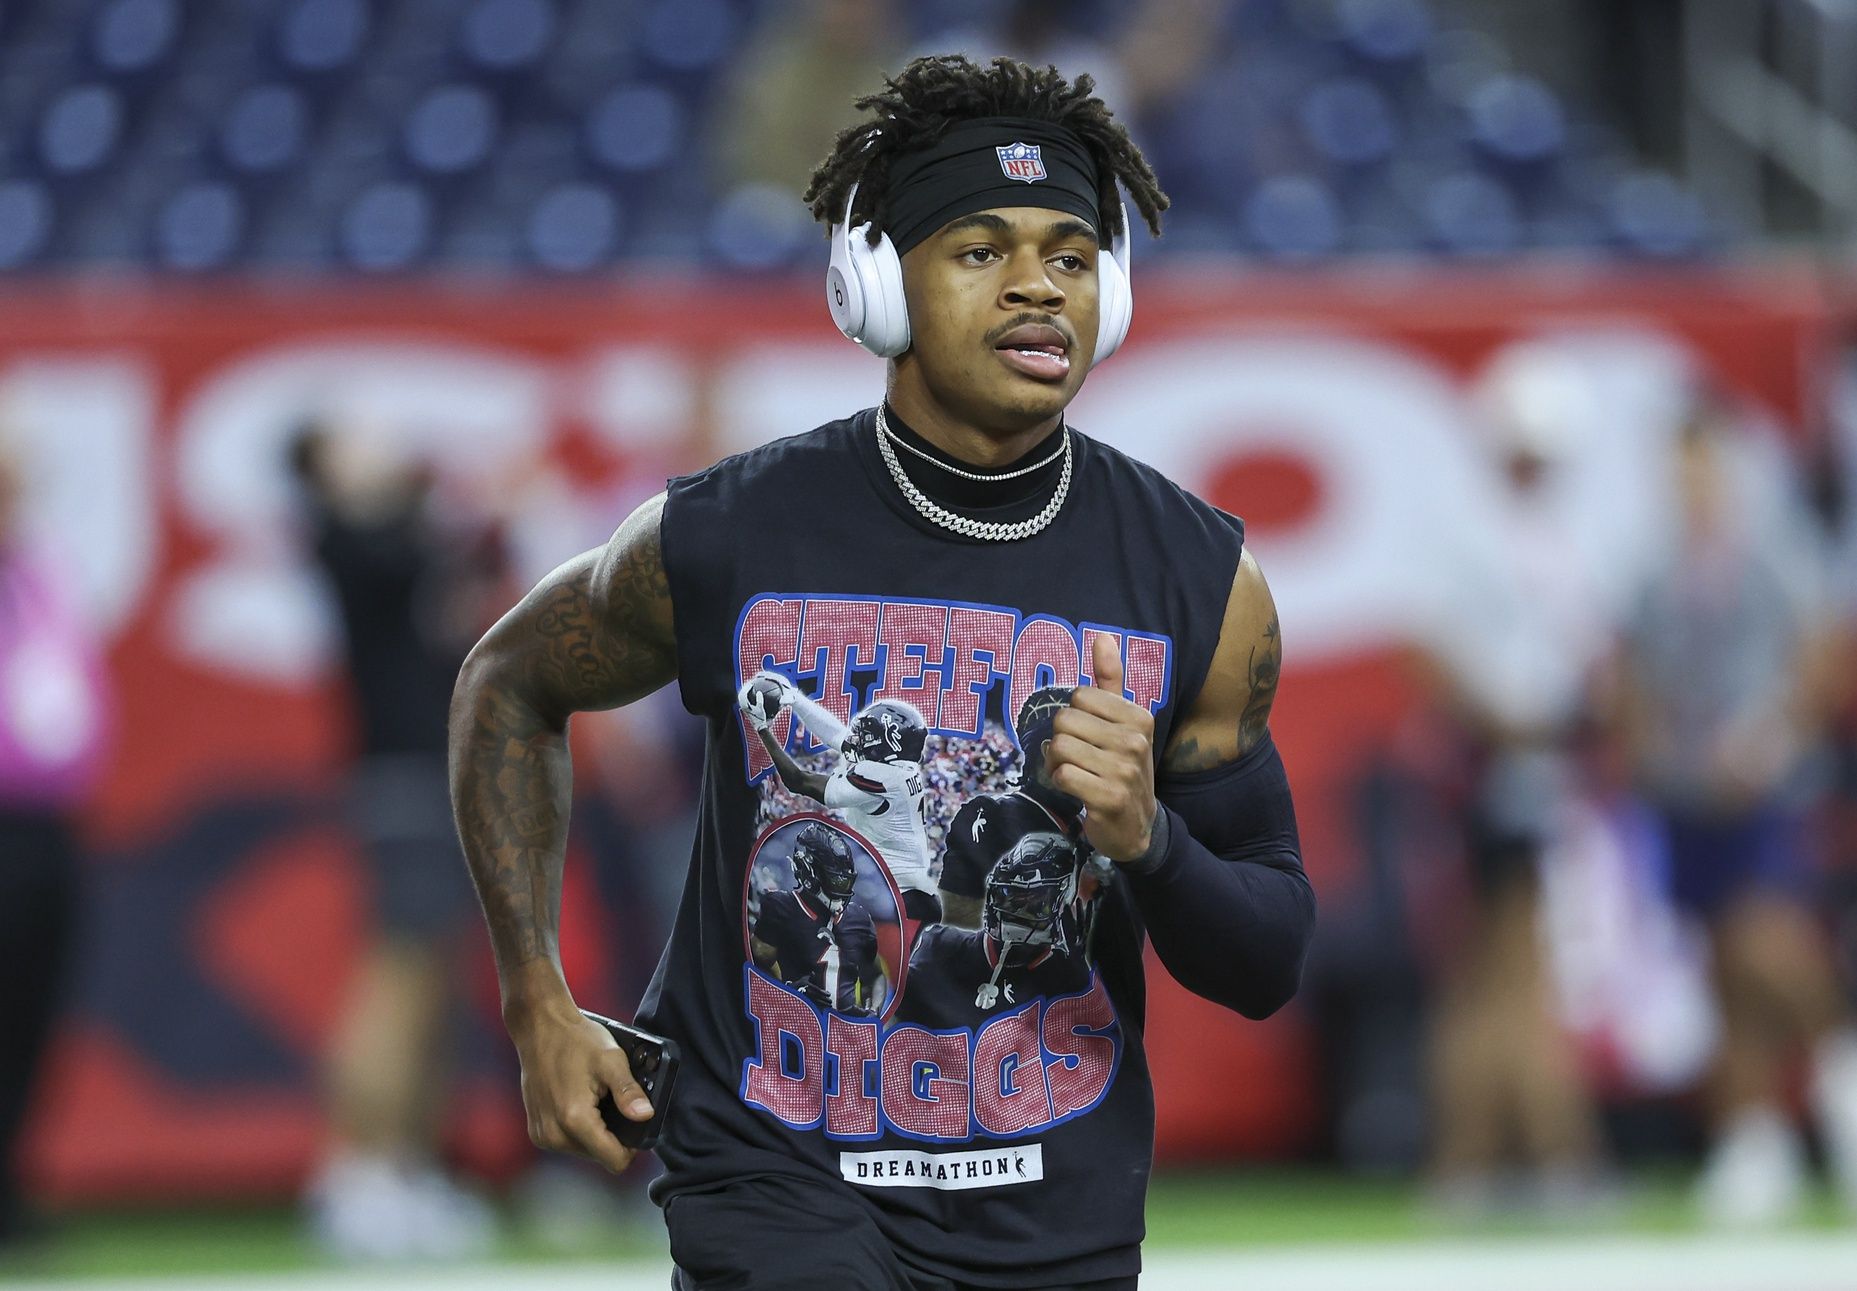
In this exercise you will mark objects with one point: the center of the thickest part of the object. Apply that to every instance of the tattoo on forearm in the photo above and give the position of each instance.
(512, 818)
(595, 634)
(1266, 664)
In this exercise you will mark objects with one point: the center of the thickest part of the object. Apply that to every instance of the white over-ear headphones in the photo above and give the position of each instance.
(864, 290)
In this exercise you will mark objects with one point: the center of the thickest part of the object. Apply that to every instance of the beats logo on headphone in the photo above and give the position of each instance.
(864, 290)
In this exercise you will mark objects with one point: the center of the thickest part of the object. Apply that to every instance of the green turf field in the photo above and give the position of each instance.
(1255, 1210)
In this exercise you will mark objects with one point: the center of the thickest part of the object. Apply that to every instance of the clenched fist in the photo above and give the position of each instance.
(1102, 752)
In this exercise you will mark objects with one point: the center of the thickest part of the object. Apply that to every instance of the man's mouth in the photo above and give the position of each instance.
(1038, 363)
(1037, 350)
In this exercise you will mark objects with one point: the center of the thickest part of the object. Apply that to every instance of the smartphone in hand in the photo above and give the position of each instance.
(654, 1067)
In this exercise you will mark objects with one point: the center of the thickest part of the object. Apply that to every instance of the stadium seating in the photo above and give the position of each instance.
(564, 136)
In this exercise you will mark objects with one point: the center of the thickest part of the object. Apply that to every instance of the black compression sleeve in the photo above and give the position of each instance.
(1227, 904)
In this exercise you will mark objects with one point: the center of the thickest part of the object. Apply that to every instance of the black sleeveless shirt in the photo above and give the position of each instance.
(988, 1101)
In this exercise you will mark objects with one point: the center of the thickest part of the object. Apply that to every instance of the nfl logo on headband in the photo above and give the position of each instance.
(1022, 161)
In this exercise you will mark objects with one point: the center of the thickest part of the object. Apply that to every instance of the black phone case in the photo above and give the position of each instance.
(654, 1067)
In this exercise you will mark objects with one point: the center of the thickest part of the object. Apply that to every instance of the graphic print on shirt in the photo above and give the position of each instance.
(958, 997)
(822, 916)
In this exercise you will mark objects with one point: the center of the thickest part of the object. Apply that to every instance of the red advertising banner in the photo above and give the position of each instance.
(226, 902)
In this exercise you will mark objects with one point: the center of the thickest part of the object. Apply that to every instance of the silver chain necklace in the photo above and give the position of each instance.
(994, 530)
(906, 446)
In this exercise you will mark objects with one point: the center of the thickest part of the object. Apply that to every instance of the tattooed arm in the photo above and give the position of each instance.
(594, 634)
(1232, 712)
(1210, 847)
(1228, 906)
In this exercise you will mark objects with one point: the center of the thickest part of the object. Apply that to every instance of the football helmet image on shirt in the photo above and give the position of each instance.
(1034, 730)
(823, 869)
(890, 730)
(1039, 708)
(1028, 892)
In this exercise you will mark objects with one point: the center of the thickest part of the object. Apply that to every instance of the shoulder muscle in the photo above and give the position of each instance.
(597, 631)
(1232, 711)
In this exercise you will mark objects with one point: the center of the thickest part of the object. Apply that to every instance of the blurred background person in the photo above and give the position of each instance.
(791, 95)
(1835, 497)
(1148, 54)
(1723, 711)
(1515, 647)
(52, 733)
(403, 588)
(1041, 32)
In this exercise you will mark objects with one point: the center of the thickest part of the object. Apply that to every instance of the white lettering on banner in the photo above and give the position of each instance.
(783, 387)
(948, 1171)
(1382, 429)
(1379, 426)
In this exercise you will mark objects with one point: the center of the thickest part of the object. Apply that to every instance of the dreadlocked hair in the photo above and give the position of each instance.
(918, 105)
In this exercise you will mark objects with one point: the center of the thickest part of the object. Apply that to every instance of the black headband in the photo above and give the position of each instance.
(978, 165)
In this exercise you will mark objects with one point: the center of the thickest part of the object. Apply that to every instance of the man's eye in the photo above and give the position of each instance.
(985, 254)
(1074, 263)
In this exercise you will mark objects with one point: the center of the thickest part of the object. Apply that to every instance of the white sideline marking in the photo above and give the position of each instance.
(1792, 1262)
(1814, 1262)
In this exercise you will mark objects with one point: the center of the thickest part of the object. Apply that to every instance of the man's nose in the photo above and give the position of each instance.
(1030, 283)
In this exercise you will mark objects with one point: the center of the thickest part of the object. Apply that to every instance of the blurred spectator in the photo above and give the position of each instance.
(1721, 714)
(1517, 645)
(1835, 496)
(1152, 50)
(1043, 32)
(1634, 54)
(1166, 46)
(792, 92)
(380, 1193)
(793, 88)
(51, 742)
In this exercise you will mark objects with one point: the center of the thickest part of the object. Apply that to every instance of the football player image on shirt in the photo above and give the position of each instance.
(877, 785)
(1023, 949)
(989, 825)
(818, 937)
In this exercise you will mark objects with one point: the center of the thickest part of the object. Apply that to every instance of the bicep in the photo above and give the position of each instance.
(596, 633)
(1231, 713)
